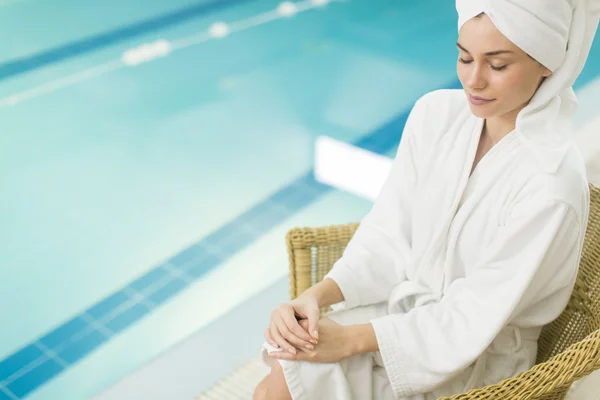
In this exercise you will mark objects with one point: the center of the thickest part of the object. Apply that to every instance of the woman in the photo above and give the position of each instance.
(474, 242)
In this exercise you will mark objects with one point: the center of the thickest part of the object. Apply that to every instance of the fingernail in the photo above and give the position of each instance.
(309, 346)
(293, 351)
(313, 341)
(316, 334)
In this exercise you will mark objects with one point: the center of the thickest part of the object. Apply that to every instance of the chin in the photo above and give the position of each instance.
(480, 112)
(486, 110)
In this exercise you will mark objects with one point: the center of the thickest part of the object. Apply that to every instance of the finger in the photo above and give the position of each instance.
(294, 327)
(288, 335)
(294, 334)
(313, 323)
(293, 324)
(269, 339)
(280, 340)
(310, 323)
(300, 313)
(305, 325)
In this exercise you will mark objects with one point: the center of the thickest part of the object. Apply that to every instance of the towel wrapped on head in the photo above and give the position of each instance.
(558, 34)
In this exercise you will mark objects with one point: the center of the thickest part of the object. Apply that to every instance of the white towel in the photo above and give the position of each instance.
(558, 34)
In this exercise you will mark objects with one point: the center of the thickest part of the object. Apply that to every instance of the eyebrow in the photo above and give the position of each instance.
(489, 53)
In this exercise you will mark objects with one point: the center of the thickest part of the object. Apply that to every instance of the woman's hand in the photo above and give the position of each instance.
(335, 343)
(284, 330)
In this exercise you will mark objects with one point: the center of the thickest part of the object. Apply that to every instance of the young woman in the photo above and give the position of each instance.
(474, 242)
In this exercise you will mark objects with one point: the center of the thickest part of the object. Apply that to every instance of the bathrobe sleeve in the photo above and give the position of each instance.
(532, 261)
(375, 258)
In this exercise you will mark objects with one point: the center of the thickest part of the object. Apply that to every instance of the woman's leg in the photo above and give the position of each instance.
(273, 386)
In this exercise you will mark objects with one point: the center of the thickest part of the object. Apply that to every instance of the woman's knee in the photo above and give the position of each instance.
(261, 391)
(274, 386)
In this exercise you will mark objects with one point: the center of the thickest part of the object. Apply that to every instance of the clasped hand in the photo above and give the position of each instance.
(297, 328)
(333, 344)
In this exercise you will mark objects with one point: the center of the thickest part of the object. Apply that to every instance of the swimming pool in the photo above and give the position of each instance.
(139, 182)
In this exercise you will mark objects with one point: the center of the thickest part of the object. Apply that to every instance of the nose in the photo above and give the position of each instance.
(476, 78)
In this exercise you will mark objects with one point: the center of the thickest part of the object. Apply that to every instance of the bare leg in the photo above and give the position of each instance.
(273, 386)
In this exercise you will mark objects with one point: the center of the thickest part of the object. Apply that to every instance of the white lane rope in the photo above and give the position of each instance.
(160, 48)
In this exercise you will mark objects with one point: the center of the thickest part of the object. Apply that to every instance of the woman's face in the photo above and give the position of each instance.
(497, 76)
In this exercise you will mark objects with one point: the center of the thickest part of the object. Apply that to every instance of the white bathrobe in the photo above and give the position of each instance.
(457, 273)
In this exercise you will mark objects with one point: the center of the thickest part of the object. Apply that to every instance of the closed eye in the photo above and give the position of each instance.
(462, 60)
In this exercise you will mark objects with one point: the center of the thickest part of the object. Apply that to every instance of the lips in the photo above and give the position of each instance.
(479, 100)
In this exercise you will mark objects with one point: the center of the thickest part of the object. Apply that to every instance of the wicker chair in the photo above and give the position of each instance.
(569, 347)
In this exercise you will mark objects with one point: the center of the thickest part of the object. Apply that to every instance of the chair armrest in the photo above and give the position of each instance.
(552, 377)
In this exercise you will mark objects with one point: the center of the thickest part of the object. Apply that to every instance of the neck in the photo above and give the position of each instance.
(498, 127)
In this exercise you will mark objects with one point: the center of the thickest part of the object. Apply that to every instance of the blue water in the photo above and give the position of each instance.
(106, 180)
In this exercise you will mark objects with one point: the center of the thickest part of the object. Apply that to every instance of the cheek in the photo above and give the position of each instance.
(461, 71)
(514, 87)
(506, 82)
